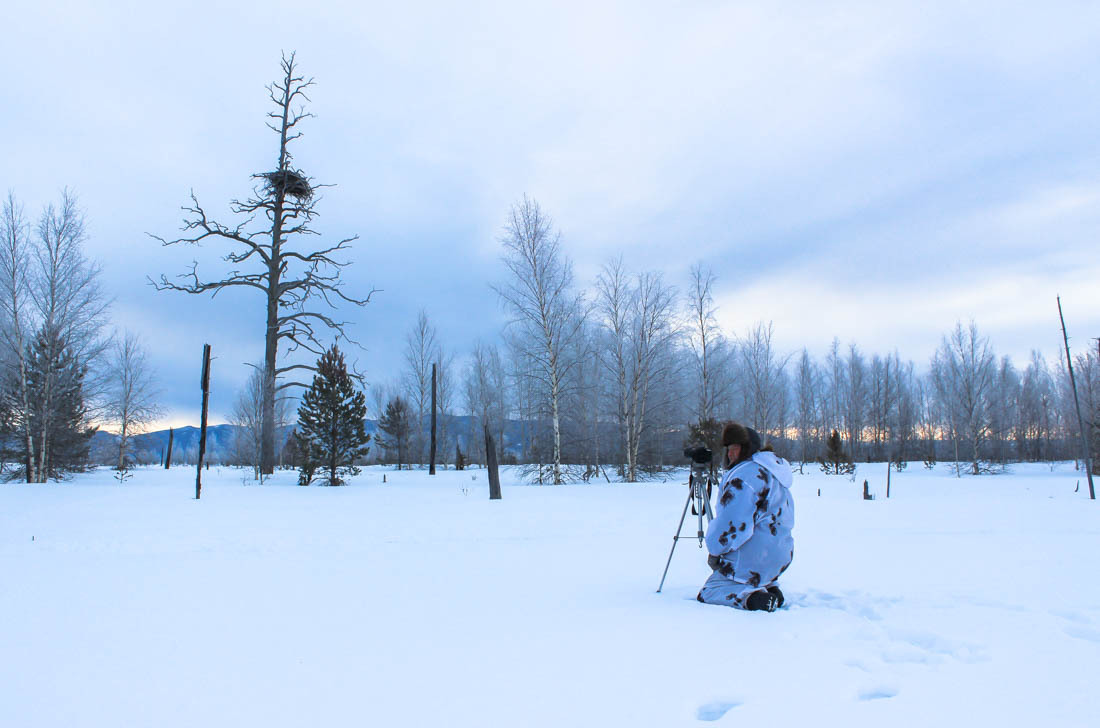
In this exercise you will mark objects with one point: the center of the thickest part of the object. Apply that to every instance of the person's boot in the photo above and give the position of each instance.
(774, 591)
(761, 601)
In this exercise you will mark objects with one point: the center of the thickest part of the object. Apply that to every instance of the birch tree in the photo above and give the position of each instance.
(53, 314)
(420, 352)
(131, 391)
(764, 380)
(707, 344)
(546, 312)
(639, 319)
(964, 371)
(445, 398)
(14, 292)
(807, 384)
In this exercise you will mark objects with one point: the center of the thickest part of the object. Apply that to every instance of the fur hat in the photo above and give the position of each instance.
(746, 437)
(734, 434)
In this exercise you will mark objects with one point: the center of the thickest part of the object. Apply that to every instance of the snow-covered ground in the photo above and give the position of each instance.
(421, 602)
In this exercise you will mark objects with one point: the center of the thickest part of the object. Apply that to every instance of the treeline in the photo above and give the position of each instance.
(62, 371)
(629, 371)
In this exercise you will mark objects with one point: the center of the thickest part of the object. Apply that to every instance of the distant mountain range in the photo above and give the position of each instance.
(150, 447)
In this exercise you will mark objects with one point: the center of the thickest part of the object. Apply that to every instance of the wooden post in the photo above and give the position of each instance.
(889, 467)
(491, 461)
(1077, 402)
(168, 455)
(431, 452)
(205, 384)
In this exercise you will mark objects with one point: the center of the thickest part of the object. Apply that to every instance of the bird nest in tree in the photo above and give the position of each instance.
(290, 183)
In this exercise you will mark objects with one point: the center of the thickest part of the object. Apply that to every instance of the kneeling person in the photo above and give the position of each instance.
(749, 540)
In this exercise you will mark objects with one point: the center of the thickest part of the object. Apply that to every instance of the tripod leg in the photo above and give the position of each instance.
(674, 539)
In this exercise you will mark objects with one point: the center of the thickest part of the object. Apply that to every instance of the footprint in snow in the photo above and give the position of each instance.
(1083, 633)
(714, 711)
(1071, 616)
(877, 693)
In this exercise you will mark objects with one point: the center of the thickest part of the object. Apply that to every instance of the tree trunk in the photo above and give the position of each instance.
(431, 454)
(491, 461)
(205, 383)
(122, 446)
(557, 429)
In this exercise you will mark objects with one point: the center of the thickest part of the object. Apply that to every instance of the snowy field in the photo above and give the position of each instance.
(421, 603)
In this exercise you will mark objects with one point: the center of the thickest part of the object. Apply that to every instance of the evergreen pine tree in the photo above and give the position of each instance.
(396, 424)
(58, 415)
(836, 460)
(331, 435)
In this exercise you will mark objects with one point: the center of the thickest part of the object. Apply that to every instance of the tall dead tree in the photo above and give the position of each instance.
(298, 284)
(1077, 405)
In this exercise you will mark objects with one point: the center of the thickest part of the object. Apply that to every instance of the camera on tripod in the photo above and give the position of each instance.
(699, 455)
(700, 482)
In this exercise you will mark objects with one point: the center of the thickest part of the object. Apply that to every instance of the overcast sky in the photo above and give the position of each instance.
(873, 171)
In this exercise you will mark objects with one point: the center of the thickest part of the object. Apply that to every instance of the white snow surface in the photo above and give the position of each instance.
(419, 602)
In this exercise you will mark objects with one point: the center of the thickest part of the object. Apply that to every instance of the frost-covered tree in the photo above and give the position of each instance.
(1003, 405)
(964, 372)
(52, 310)
(421, 351)
(330, 430)
(763, 381)
(807, 403)
(638, 314)
(708, 346)
(131, 401)
(546, 312)
(855, 399)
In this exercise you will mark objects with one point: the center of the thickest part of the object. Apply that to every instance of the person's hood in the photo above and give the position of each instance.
(777, 466)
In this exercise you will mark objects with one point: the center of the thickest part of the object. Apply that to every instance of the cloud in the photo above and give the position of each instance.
(867, 170)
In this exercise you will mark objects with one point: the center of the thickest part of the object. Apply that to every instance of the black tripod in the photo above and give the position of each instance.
(699, 487)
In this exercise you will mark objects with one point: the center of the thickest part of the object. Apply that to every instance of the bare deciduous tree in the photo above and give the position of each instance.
(963, 371)
(639, 319)
(131, 393)
(807, 402)
(445, 394)
(53, 306)
(546, 312)
(764, 380)
(421, 350)
(708, 345)
(247, 417)
(293, 281)
(14, 291)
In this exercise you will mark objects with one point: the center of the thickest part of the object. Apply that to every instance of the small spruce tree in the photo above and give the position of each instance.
(331, 435)
(836, 461)
(396, 425)
(58, 417)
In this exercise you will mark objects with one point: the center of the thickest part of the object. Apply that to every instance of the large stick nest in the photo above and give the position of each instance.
(290, 182)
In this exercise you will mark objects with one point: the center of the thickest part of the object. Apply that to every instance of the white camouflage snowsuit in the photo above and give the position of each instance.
(751, 530)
